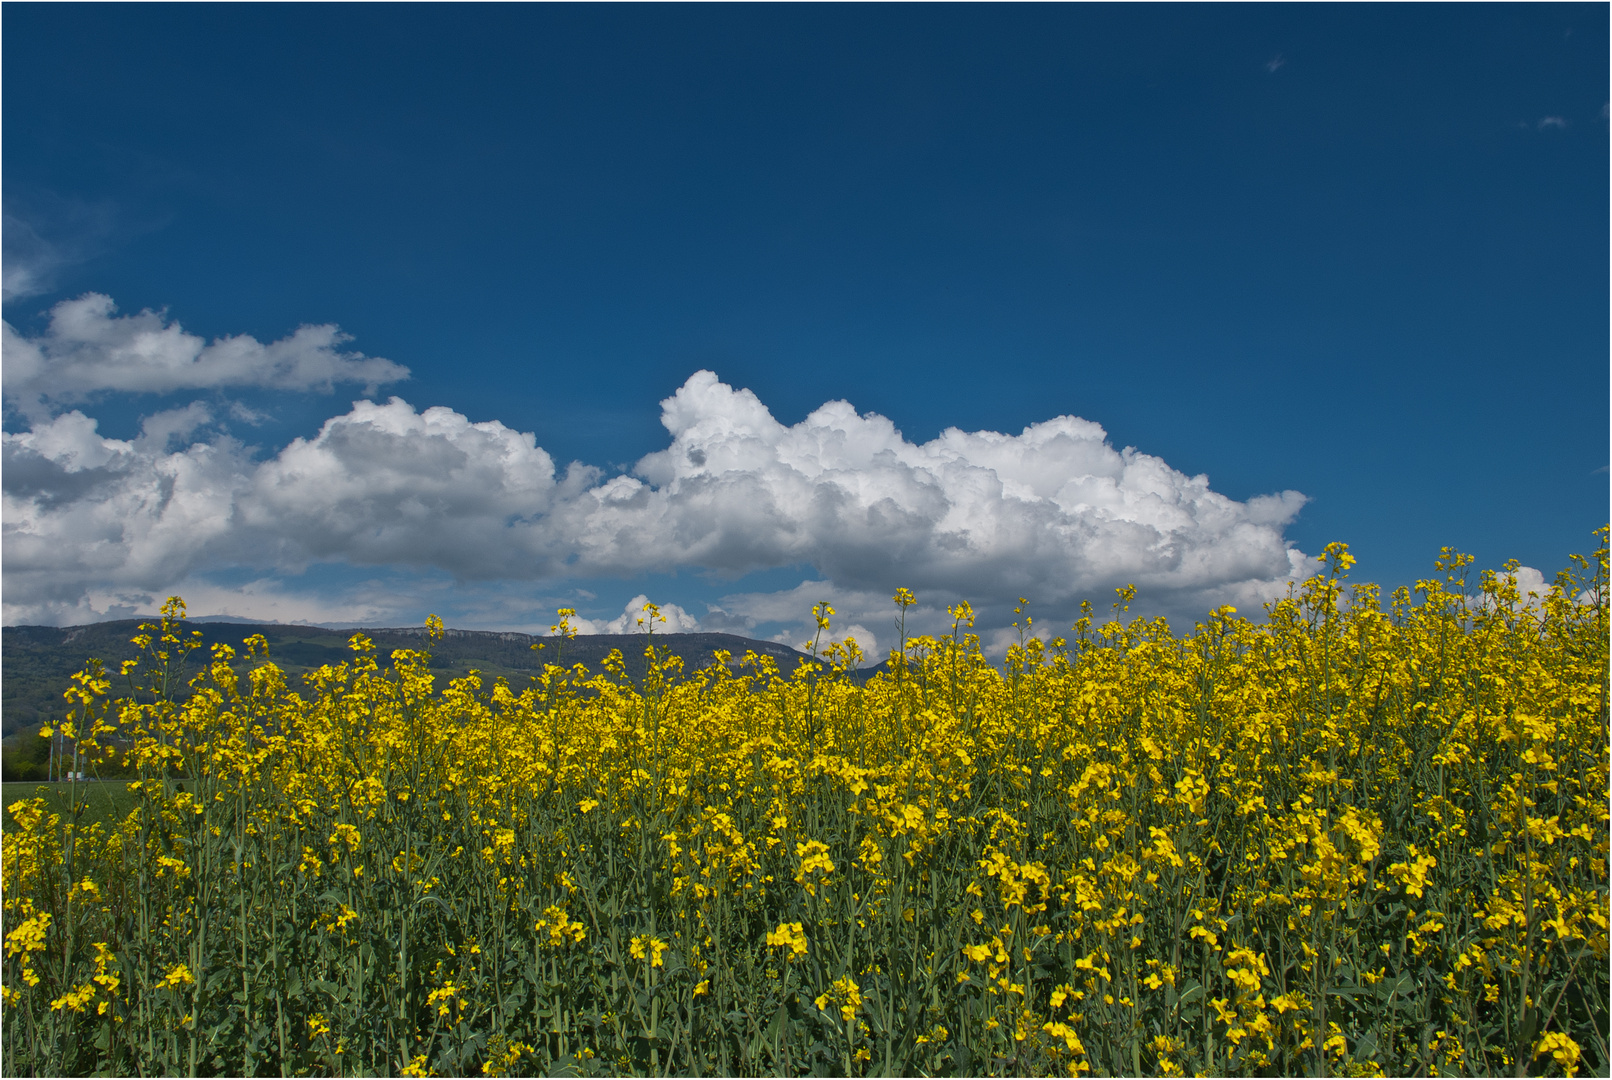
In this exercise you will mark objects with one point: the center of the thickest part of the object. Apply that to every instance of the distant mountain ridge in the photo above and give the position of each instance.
(36, 662)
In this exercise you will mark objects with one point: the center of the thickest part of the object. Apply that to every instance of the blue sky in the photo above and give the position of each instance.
(1357, 254)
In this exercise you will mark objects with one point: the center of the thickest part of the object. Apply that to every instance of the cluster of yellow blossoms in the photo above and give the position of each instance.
(1358, 836)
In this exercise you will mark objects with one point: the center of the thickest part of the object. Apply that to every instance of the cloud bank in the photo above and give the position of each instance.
(94, 525)
(1055, 512)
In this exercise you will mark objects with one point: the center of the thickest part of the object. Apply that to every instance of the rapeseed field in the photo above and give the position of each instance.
(1360, 835)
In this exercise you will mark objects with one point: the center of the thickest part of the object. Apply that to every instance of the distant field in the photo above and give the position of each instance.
(107, 801)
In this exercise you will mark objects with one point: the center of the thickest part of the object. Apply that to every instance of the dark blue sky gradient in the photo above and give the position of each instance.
(1312, 247)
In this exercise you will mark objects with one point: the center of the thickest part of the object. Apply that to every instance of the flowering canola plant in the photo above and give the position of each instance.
(1356, 837)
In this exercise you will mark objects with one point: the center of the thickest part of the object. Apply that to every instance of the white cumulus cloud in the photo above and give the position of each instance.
(1054, 511)
(82, 513)
(384, 484)
(88, 349)
(636, 618)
